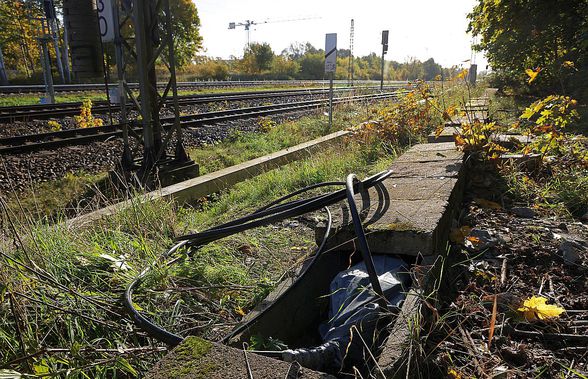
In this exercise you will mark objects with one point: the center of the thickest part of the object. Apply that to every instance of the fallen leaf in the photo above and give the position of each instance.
(568, 64)
(457, 235)
(474, 240)
(536, 307)
(239, 311)
(453, 374)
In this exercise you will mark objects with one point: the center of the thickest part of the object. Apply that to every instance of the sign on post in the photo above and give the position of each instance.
(105, 20)
(330, 68)
(331, 52)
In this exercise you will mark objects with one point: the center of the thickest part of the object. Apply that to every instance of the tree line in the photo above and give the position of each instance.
(304, 61)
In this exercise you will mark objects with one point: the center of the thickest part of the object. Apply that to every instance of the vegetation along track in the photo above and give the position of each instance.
(46, 111)
(35, 142)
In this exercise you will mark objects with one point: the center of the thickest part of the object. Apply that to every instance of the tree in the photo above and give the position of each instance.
(186, 30)
(431, 69)
(284, 68)
(19, 46)
(531, 34)
(312, 65)
(258, 57)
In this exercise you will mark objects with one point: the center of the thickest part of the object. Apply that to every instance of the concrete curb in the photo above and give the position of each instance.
(205, 185)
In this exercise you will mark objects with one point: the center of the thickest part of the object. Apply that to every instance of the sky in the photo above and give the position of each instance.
(418, 28)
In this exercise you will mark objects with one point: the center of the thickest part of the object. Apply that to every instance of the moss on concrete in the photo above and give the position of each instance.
(188, 360)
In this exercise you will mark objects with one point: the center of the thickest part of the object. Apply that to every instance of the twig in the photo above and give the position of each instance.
(492, 321)
(249, 372)
(17, 323)
(369, 350)
(503, 272)
(469, 344)
(550, 336)
(110, 325)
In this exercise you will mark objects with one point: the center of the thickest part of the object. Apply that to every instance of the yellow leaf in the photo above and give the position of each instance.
(453, 374)
(459, 140)
(239, 311)
(536, 307)
(568, 64)
(532, 74)
(462, 74)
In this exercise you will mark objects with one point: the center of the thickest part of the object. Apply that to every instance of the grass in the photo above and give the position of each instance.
(83, 262)
(43, 199)
(61, 287)
(271, 137)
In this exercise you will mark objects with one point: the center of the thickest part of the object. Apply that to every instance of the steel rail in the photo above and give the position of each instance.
(49, 140)
(15, 89)
(46, 111)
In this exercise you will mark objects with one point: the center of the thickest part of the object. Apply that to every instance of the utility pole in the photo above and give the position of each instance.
(144, 49)
(384, 51)
(351, 66)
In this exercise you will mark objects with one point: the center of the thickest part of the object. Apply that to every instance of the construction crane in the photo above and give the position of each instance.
(247, 24)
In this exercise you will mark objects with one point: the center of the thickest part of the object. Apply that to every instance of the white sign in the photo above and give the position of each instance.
(105, 20)
(331, 52)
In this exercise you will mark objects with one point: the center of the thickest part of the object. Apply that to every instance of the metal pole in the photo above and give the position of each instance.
(65, 56)
(382, 71)
(330, 100)
(180, 152)
(3, 76)
(144, 53)
(49, 91)
(55, 38)
(127, 157)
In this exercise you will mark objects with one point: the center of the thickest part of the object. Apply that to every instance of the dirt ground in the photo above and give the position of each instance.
(506, 254)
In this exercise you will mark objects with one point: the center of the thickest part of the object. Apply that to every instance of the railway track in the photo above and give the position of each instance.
(64, 88)
(51, 140)
(46, 111)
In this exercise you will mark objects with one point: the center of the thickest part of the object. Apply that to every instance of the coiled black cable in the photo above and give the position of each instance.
(273, 212)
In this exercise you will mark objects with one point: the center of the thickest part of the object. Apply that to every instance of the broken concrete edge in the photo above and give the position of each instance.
(205, 185)
(197, 358)
(418, 314)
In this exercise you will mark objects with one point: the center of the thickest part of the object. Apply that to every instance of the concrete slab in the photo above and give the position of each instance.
(418, 156)
(196, 358)
(506, 140)
(410, 212)
(436, 169)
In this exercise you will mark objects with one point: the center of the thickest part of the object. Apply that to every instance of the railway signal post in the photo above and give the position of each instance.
(384, 51)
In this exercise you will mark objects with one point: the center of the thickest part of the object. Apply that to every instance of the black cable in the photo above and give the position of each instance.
(271, 213)
(362, 240)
